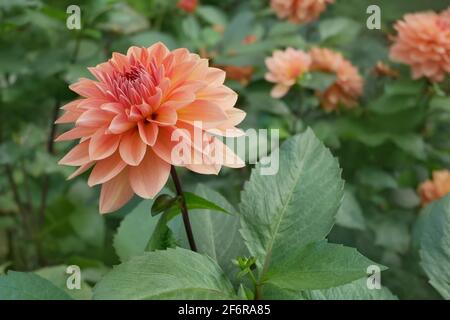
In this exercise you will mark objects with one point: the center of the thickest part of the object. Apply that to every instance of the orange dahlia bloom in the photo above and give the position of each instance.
(284, 69)
(133, 118)
(348, 86)
(299, 11)
(436, 188)
(423, 43)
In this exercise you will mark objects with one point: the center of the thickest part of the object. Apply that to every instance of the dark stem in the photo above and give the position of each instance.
(184, 210)
(50, 150)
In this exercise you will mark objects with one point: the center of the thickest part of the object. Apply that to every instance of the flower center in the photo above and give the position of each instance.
(443, 24)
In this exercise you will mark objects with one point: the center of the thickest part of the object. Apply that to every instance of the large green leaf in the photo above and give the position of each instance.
(135, 231)
(169, 274)
(29, 286)
(286, 211)
(319, 265)
(435, 245)
(216, 234)
(58, 276)
(357, 290)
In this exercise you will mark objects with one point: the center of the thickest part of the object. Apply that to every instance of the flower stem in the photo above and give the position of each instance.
(184, 210)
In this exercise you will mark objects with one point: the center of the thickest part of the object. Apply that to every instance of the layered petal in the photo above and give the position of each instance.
(150, 176)
(115, 193)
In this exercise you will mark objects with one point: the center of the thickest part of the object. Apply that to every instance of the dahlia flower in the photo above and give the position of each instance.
(132, 120)
(423, 43)
(284, 69)
(436, 188)
(299, 11)
(348, 86)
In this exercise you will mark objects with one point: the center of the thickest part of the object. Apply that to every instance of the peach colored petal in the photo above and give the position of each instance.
(69, 117)
(279, 91)
(165, 116)
(226, 156)
(94, 118)
(215, 76)
(150, 176)
(113, 107)
(81, 170)
(121, 124)
(106, 169)
(115, 193)
(164, 144)
(202, 110)
(76, 133)
(148, 132)
(87, 88)
(132, 148)
(78, 156)
(103, 144)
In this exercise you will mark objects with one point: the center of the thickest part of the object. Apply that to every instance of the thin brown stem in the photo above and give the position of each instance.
(184, 210)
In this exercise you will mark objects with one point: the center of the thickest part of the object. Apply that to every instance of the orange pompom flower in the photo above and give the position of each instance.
(299, 11)
(285, 68)
(436, 188)
(128, 117)
(348, 86)
(423, 43)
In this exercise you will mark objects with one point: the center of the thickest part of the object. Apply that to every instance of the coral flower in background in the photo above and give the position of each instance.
(127, 118)
(284, 69)
(242, 74)
(436, 188)
(348, 86)
(188, 6)
(299, 11)
(423, 43)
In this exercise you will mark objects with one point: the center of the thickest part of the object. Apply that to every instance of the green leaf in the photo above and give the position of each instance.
(350, 213)
(29, 286)
(169, 274)
(286, 211)
(194, 201)
(89, 226)
(376, 179)
(319, 265)
(391, 104)
(338, 31)
(216, 235)
(317, 80)
(162, 203)
(133, 234)
(58, 276)
(435, 245)
(191, 27)
(411, 143)
(356, 290)
(212, 15)
(238, 28)
(440, 103)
